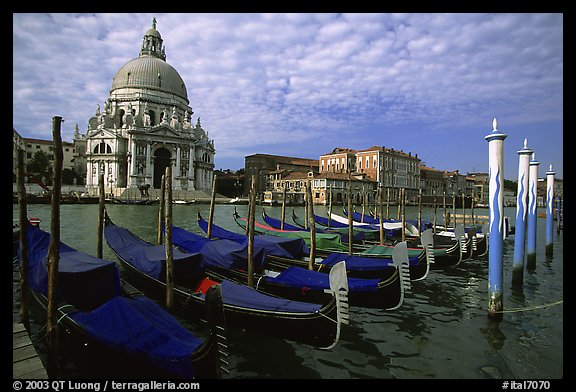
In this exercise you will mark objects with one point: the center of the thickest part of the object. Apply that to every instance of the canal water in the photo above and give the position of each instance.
(440, 332)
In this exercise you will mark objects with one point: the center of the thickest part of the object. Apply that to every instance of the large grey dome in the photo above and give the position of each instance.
(150, 72)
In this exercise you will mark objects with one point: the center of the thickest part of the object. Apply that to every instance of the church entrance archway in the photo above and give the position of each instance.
(161, 161)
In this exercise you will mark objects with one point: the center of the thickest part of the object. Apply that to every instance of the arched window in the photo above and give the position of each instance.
(102, 148)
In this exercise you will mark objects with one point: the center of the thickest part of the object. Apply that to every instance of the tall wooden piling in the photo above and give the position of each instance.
(161, 208)
(168, 239)
(310, 217)
(381, 214)
(549, 213)
(54, 252)
(101, 208)
(403, 206)
(521, 214)
(283, 208)
(495, 257)
(435, 214)
(350, 222)
(419, 212)
(330, 207)
(24, 261)
(387, 203)
(250, 225)
(445, 212)
(212, 202)
(463, 209)
(532, 215)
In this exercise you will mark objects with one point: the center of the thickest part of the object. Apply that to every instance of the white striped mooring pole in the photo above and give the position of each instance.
(521, 214)
(549, 216)
(533, 186)
(495, 252)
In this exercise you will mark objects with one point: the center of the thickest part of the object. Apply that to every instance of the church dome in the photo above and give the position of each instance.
(149, 72)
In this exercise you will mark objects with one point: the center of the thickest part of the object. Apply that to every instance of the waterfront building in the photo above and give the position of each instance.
(340, 160)
(144, 126)
(269, 168)
(387, 167)
(32, 145)
(363, 189)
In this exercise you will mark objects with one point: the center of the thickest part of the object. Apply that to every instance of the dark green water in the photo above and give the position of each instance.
(440, 332)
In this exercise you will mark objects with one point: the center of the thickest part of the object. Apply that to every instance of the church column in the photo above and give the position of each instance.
(176, 181)
(148, 164)
(177, 171)
(191, 184)
(133, 159)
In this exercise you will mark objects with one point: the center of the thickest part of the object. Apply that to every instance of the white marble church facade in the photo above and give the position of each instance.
(145, 126)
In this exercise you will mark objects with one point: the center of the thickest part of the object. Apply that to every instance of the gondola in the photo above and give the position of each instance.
(308, 285)
(357, 266)
(315, 324)
(420, 259)
(445, 251)
(108, 323)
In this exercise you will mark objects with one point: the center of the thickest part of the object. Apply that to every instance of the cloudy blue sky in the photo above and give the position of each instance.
(302, 84)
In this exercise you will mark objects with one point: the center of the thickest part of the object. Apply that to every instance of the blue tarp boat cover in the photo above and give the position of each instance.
(231, 255)
(137, 326)
(295, 248)
(149, 258)
(142, 326)
(248, 297)
(358, 263)
(83, 280)
(221, 233)
(300, 277)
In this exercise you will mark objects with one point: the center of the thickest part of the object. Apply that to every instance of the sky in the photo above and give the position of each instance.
(303, 84)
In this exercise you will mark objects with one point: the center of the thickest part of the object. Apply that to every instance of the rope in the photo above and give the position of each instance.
(329, 318)
(530, 307)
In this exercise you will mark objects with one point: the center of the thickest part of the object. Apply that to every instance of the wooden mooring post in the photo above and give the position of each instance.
(101, 206)
(168, 239)
(496, 186)
(24, 262)
(54, 252)
(250, 226)
(350, 222)
(312, 225)
(161, 208)
(212, 202)
(283, 207)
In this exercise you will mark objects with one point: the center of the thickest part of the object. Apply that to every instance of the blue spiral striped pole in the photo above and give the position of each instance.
(549, 216)
(532, 185)
(521, 214)
(495, 252)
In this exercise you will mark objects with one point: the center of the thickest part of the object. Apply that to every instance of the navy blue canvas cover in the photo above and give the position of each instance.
(151, 259)
(231, 255)
(244, 296)
(358, 263)
(137, 326)
(294, 248)
(324, 221)
(83, 280)
(300, 277)
(221, 233)
(141, 326)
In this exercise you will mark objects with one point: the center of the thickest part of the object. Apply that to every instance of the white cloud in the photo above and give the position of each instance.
(269, 79)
